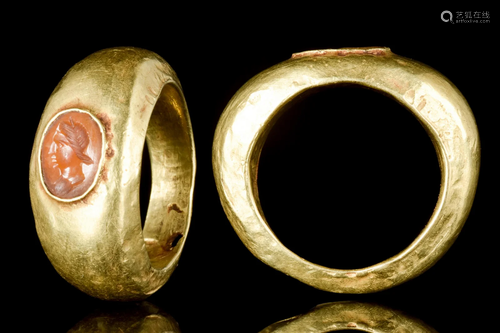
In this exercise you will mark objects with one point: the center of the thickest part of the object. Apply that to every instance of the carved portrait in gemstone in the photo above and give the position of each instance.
(70, 154)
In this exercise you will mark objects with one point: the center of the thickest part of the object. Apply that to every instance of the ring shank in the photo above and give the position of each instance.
(171, 152)
(436, 103)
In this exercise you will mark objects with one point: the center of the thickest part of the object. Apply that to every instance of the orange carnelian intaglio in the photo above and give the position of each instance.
(70, 154)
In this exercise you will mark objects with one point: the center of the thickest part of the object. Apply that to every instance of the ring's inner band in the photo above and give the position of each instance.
(172, 166)
(370, 181)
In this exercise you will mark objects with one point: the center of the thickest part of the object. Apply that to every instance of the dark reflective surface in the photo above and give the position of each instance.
(342, 316)
(219, 286)
(133, 317)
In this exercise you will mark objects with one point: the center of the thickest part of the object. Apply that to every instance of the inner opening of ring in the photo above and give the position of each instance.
(166, 179)
(347, 177)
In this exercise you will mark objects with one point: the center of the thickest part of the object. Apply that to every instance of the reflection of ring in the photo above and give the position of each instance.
(140, 317)
(436, 103)
(85, 174)
(357, 316)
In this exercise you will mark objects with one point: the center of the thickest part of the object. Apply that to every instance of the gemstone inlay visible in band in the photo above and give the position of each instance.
(70, 154)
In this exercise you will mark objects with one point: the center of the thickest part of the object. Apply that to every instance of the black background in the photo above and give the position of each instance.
(347, 178)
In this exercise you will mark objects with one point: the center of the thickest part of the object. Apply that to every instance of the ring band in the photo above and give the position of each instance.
(85, 173)
(433, 100)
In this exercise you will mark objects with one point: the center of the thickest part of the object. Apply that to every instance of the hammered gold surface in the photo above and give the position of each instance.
(428, 95)
(96, 242)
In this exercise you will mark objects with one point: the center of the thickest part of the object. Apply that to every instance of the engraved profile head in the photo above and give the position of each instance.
(74, 136)
(70, 154)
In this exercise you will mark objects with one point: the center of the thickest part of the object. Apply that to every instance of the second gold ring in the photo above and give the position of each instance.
(430, 97)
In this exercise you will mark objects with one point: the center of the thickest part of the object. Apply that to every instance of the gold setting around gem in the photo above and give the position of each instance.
(103, 149)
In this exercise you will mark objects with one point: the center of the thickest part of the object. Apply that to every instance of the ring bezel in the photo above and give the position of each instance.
(99, 168)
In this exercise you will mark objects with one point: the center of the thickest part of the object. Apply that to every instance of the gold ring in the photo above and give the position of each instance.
(85, 173)
(433, 100)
